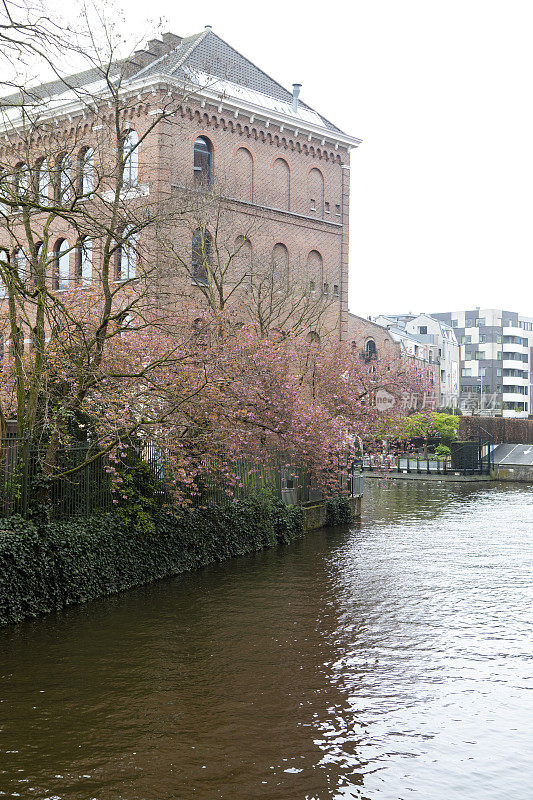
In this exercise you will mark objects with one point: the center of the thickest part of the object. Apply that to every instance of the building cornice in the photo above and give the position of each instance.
(153, 83)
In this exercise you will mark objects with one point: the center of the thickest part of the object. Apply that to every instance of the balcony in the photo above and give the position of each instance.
(513, 363)
(513, 330)
(512, 347)
(512, 380)
(514, 397)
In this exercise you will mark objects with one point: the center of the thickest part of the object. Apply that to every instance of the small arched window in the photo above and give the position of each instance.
(84, 261)
(62, 265)
(42, 182)
(370, 349)
(131, 158)
(280, 263)
(203, 150)
(313, 338)
(201, 256)
(127, 255)
(86, 170)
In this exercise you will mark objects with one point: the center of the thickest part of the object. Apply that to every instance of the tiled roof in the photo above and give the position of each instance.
(207, 61)
(208, 54)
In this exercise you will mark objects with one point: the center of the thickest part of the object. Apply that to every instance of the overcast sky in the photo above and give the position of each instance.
(440, 93)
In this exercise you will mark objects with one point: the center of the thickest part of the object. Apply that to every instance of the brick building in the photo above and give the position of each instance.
(233, 131)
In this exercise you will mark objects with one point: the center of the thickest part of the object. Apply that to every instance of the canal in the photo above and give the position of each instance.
(391, 661)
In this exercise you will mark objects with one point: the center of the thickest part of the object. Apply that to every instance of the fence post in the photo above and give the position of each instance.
(25, 475)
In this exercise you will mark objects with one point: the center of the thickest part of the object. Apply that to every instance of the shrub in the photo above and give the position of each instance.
(47, 567)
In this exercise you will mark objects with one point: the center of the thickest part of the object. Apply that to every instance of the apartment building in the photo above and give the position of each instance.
(434, 342)
(496, 357)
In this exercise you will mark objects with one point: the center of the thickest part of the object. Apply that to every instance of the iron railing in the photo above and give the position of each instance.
(86, 484)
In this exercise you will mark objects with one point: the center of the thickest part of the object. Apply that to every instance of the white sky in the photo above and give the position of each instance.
(440, 93)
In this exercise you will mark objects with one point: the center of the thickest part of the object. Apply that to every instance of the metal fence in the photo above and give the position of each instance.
(86, 484)
(468, 458)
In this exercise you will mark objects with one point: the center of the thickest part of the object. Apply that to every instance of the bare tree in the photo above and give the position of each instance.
(221, 251)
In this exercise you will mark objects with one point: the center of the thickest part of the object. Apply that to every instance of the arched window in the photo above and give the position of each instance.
(4, 265)
(127, 255)
(315, 268)
(63, 184)
(62, 265)
(313, 338)
(201, 256)
(280, 184)
(131, 158)
(315, 187)
(203, 150)
(280, 263)
(21, 263)
(21, 180)
(244, 174)
(42, 182)
(370, 349)
(84, 261)
(86, 170)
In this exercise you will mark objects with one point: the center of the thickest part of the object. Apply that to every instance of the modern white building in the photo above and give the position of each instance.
(496, 359)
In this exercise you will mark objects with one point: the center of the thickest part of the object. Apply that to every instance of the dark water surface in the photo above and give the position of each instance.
(387, 662)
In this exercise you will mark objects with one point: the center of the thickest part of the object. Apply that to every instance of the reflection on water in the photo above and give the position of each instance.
(387, 662)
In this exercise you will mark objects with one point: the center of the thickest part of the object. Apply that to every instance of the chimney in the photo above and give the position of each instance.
(143, 58)
(157, 47)
(295, 95)
(171, 40)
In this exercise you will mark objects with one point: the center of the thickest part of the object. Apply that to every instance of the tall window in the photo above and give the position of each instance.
(84, 261)
(202, 161)
(131, 159)
(201, 255)
(127, 256)
(370, 349)
(62, 272)
(42, 182)
(86, 170)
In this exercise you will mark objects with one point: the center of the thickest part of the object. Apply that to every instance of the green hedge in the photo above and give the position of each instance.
(46, 568)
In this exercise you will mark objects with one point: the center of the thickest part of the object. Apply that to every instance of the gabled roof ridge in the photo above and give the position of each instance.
(195, 40)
